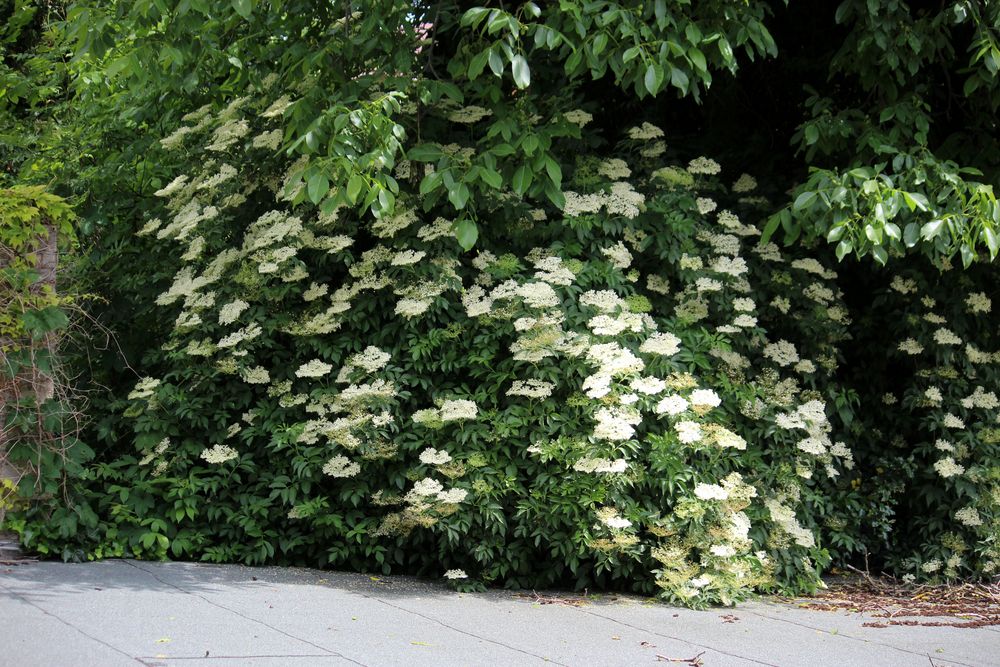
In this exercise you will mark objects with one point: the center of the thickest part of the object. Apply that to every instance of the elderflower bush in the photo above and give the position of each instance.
(627, 390)
(940, 418)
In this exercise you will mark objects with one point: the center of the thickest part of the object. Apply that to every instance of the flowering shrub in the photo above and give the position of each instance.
(939, 417)
(625, 389)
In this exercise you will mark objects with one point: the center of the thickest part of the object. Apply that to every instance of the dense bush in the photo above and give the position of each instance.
(437, 298)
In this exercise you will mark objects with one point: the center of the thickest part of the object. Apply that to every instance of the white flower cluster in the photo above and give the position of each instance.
(219, 454)
(531, 388)
(341, 466)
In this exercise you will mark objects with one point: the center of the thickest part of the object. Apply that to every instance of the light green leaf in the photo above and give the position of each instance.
(467, 233)
(522, 74)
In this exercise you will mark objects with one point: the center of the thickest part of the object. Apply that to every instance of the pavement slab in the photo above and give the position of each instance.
(124, 612)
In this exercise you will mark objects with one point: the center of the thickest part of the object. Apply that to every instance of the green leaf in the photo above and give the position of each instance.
(529, 144)
(478, 64)
(992, 242)
(467, 233)
(522, 179)
(931, 229)
(496, 63)
(654, 78)
(243, 8)
(968, 256)
(522, 74)
(554, 171)
(843, 249)
(836, 233)
(911, 234)
(42, 321)
(803, 200)
(425, 153)
(317, 187)
(771, 227)
(600, 42)
(679, 79)
(880, 255)
(492, 178)
(812, 134)
(354, 186)
(915, 200)
(458, 195)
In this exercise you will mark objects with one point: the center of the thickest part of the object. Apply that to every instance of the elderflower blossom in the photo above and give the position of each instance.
(456, 574)
(946, 337)
(782, 353)
(705, 205)
(969, 516)
(910, 346)
(619, 255)
(469, 115)
(256, 375)
(662, 343)
(144, 388)
(978, 302)
(614, 168)
(230, 312)
(341, 466)
(704, 165)
(705, 398)
(645, 131)
(688, 431)
(648, 385)
(313, 369)
(952, 421)
(947, 467)
(455, 410)
(578, 117)
(219, 454)
(745, 183)
(433, 456)
(531, 388)
(407, 257)
(452, 496)
(671, 405)
(710, 492)
(979, 398)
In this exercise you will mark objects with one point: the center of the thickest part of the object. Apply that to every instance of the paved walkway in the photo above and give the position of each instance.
(128, 612)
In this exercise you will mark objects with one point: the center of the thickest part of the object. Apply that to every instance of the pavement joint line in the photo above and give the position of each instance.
(244, 616)
(859, 639)
(460, 630)
(240, 657)
(70, 625)
(679, 639)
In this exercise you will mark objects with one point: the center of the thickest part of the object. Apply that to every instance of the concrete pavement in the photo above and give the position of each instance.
(130, 612)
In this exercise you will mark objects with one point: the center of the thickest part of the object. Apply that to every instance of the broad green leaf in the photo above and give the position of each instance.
(467, 233)
(803, 200)
(496, 62)
(42, 321)
(492, 178)
(931, 229)
(354, 186)
(243, 8)
(654, 78)
(911, 234)
(968, 256)
(843, 249)
(425, 153)
(992, 241)
(458, 195)
(317, 187)
(522, 74)
(522, 179)
(880, 255)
